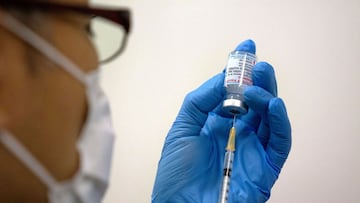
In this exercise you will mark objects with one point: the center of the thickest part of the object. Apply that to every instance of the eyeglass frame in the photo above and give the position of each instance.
(119, 16)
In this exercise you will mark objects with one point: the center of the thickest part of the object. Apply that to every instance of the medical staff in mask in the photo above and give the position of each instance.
(56, 135)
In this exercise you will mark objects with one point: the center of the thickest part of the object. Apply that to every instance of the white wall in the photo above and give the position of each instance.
(175, 45)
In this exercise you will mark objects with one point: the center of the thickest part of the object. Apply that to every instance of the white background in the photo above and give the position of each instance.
(176, 45)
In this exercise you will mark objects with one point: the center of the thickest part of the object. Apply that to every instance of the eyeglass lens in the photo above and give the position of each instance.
(107, 36)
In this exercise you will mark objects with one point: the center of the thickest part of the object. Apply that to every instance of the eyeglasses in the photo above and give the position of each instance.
(109, 27)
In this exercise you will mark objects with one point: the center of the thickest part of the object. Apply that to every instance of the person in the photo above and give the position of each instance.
(56, 135)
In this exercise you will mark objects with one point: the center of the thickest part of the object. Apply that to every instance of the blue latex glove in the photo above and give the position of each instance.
(191, 164)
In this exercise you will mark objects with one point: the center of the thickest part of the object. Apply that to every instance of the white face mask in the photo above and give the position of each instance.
(94, 144)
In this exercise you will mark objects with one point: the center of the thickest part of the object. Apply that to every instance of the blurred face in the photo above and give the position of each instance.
(40, 104)
(30, 76)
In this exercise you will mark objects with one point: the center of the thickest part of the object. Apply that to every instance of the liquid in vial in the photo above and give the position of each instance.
(237, 77)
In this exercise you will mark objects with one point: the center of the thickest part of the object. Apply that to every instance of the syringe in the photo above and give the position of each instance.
(228, 163)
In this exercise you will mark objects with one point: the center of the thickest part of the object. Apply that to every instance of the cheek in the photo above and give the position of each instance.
(13, 98)
(14, 86)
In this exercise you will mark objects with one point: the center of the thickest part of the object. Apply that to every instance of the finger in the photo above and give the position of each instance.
(247, 46)
(280, 133)
(258, 100)
(263, 76)
(263, 132)
(196, 106)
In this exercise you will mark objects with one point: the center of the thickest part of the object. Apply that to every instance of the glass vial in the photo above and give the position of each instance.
(237, 77)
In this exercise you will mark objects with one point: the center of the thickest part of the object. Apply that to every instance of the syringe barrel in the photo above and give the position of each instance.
(228, 162)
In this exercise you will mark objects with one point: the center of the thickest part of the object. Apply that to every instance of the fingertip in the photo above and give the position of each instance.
(257, 99)
(264, 66)
(263, 75)
(247, 46)
(277, 106)
(208, 95)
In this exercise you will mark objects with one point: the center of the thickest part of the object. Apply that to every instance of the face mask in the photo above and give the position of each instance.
(95, 142)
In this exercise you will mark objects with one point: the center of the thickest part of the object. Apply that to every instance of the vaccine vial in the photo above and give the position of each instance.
(237, 77)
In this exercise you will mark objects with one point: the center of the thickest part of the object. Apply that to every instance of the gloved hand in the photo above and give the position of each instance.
(191, 164)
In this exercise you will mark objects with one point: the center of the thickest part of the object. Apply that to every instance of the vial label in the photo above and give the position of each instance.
(238, 69)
